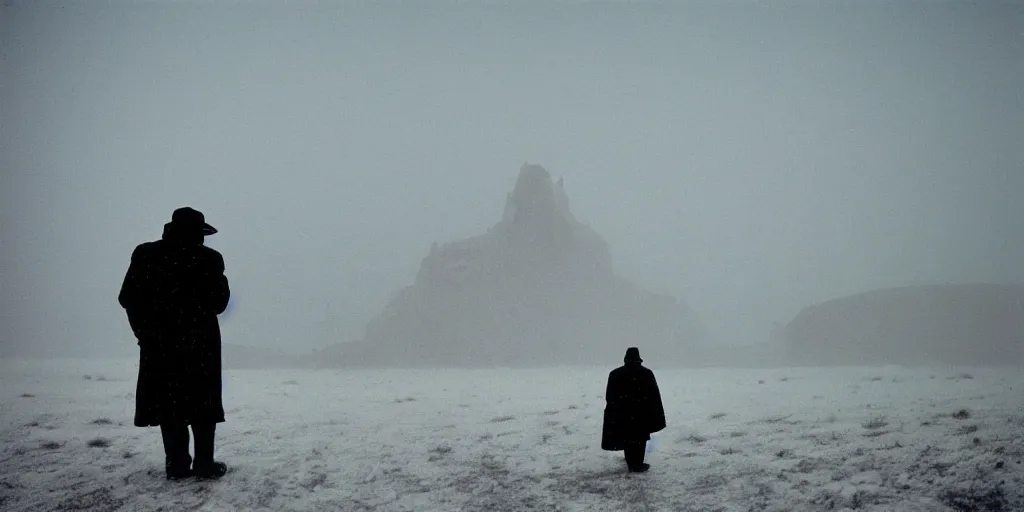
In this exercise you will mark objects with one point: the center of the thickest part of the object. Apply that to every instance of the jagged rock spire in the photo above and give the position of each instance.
(538, 286)
(537, 209)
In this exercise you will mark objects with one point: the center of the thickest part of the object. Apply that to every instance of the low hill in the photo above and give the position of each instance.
(941, 324)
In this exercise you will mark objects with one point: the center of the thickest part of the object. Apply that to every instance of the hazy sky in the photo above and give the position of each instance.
(750, 160)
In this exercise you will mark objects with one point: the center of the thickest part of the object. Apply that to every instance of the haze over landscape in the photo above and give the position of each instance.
(444, 223)
(748, 160)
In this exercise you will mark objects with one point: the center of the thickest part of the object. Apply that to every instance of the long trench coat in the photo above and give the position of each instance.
(172, 293)
(634, 409)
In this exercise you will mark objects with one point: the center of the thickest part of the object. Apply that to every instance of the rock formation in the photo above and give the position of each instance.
(943, 324)
(536, 289)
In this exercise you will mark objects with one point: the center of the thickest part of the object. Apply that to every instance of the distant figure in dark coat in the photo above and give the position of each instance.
(633, 411)
(173, 291)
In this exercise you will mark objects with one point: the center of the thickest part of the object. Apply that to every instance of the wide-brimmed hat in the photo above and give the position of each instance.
(632, 355)
(189, 219)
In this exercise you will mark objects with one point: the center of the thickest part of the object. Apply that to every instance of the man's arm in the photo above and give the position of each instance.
(218, 289)
(656, 410)
(133, 295)
(613, 393)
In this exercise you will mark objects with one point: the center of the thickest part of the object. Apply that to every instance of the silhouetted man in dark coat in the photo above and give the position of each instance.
(633, 411)
(173, 291)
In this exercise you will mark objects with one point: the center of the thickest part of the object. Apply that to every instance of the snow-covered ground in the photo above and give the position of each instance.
(894, 439)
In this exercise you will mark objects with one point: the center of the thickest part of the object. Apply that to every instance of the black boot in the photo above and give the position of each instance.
(213, 471)
(204, 466)
(176, 457)
(179, 474)
(635, 456)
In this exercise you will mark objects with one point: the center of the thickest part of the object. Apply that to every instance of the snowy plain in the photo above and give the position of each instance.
(856, 438)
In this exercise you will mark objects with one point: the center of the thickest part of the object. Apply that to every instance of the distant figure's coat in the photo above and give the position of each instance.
(173, 291)
(634, 409)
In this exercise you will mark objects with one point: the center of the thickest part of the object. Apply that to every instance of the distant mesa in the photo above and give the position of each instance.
(975, 324)
(537, 289)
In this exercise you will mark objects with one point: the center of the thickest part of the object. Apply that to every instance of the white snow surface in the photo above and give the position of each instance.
(888, 438)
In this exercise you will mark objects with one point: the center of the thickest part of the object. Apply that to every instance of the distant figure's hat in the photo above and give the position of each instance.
(632, 355)
(191, 219)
